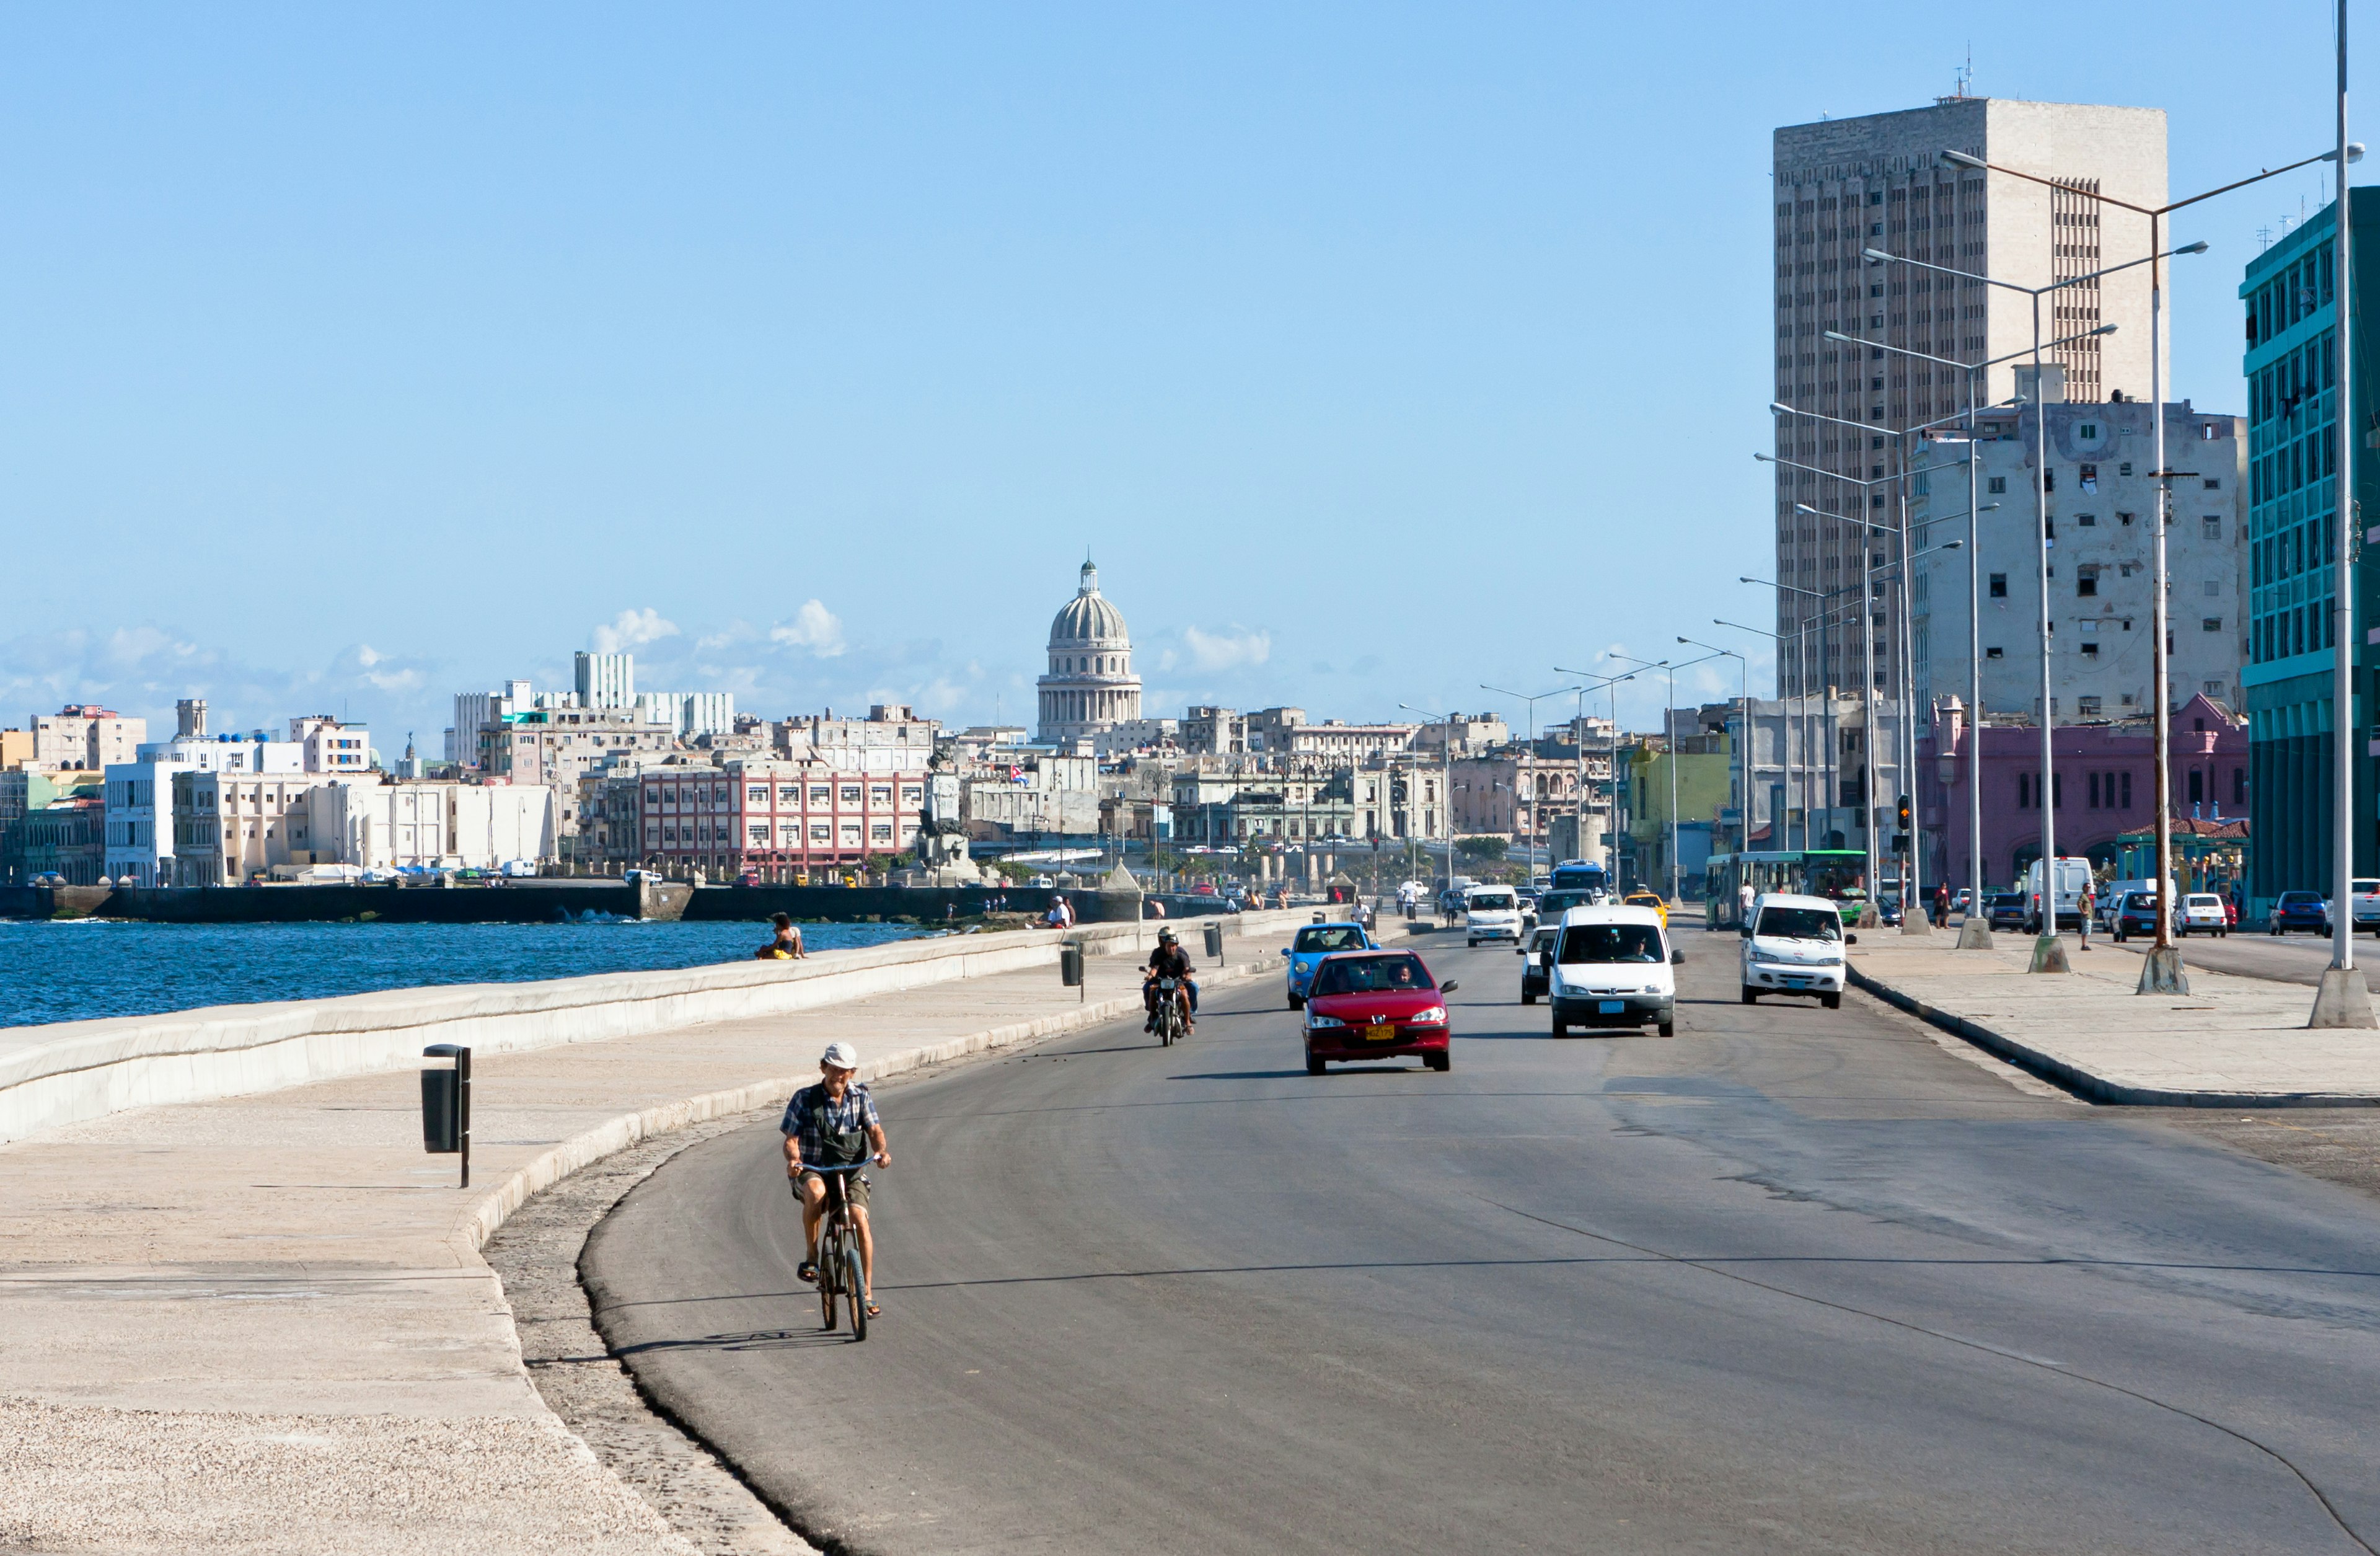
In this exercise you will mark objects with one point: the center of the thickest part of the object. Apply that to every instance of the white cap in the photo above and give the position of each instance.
(843, 1056)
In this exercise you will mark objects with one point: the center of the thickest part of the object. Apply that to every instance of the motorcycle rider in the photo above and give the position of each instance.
(1169, 960)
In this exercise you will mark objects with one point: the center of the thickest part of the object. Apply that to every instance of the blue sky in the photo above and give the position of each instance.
(355, 356)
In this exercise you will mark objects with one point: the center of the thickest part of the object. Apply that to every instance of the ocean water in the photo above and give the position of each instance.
(76, 969)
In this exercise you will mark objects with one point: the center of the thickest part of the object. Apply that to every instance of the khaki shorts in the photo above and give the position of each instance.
(855, 1185)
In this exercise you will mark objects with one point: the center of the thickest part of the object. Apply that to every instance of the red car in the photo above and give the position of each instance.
(1377, 1005)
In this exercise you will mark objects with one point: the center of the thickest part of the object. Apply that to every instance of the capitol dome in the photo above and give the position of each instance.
(1089, 687)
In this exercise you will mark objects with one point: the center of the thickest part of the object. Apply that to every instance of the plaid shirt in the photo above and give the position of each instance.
(811, 1117)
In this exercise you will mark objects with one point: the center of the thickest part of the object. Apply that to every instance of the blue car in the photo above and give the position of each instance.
(1314, 943)
(2300, 910)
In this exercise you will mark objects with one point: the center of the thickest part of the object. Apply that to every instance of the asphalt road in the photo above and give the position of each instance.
(1792, 1280)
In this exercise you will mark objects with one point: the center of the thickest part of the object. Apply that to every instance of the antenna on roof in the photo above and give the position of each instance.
(1964, 77)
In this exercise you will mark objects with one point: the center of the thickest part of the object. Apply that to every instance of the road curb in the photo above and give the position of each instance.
(2084, 1083)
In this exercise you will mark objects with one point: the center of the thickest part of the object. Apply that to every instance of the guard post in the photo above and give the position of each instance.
(446, 1104)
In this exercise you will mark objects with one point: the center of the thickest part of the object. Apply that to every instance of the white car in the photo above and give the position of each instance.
(1612, 969)
(1491, 913)
(2202, 911)
(1793, 945)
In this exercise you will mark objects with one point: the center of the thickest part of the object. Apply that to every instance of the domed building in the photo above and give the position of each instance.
(1090, 687)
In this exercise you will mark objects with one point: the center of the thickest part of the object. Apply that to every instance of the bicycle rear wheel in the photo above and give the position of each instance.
(854, 1289)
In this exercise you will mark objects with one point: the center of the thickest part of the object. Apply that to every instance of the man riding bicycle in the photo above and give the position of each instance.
(834, 1125)
(1169, 960)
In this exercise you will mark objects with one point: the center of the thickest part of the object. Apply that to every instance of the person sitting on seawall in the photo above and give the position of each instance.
(787, 947)
(1169, 960)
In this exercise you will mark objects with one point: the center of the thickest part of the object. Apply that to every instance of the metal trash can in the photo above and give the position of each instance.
(1215, 940)
(446, 1105)
(1070, 964)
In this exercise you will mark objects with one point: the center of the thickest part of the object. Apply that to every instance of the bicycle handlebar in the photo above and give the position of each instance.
(855, 1167)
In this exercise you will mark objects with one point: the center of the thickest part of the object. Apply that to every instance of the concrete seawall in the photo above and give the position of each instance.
(542, 901)
(70, 1071)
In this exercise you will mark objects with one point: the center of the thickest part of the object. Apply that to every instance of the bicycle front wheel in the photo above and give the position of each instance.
(855, 1288)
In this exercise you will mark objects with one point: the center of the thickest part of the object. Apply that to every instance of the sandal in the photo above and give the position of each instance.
(874, 1310)
(808, 1271)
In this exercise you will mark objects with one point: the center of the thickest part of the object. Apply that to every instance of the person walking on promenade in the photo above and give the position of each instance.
(2089, 904)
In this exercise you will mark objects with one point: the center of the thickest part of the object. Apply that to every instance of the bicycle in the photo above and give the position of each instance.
(1170, 1026)
(839, 1271)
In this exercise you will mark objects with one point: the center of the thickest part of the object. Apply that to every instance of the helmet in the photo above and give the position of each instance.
(1166, 937)
(843, 1056)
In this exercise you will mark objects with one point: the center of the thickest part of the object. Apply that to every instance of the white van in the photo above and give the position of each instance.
(2073, 879)
(1794, 945)
(1611, 967)
(1491, 913)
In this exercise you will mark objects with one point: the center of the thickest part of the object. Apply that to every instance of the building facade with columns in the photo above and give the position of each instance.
(1090, 687)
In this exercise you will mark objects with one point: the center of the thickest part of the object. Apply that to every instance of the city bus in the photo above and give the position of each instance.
(1577, 875)
(1835, 873)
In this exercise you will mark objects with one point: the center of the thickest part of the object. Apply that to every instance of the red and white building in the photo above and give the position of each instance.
(782, 819)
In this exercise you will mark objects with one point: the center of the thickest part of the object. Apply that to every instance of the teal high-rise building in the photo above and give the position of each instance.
(2292, 367)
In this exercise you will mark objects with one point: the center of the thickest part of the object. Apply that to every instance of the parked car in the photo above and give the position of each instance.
(2366, 895)
(1536, 965)
(1794, 945)
(2203, 912)
(2299, 910)
(2005, 910)
(1314, 943)
(1613, 968)
(1377, 1005)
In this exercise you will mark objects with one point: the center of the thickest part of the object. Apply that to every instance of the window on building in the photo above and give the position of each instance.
(789, 794)
(2090, 651)
(822, 832)
(2086, 580)
(1998, 483)
(882, 832)
(2210, 624)
(1993, 654)
(757, 794)
(2238, 785)
(851, 794)
(2024, 791)
(2088, 520)
(818, 793)
(2087, 707)
(759, 832)
(2125, 468)
(2089, 474)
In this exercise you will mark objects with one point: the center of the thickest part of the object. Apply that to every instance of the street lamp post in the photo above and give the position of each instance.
(2048, 951)
(1743, 748)
(1446, 781)
(2161, 973)
(1670, 740)
(1611, 685)
(1537, 804)
(1785, 833)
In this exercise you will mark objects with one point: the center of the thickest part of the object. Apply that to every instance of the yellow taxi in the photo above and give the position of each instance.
(1652, 900)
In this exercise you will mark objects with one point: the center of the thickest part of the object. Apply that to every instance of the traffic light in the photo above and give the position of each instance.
(1904, 813)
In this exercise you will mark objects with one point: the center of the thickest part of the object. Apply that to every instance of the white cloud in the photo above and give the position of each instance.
(813, 628)
(1228, 651)
(632, 629)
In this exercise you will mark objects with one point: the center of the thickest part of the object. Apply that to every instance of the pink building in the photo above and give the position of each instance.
(2105, 784)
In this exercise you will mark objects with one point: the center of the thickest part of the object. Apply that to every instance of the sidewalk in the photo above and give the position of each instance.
(2232, 1041)
(262, 1323)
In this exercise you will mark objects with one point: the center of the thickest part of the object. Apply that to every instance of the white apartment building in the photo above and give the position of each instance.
(141, 840)
(232, 827)
(1842, 186)
(474, 711)
(605, 680)
(329, 745)
(692, 712)
(85, 735)
(2102, 501)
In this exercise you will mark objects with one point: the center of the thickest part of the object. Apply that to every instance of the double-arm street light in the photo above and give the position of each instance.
(2161, 973)
(1669, 742)
(2048, 951)
(1976, 930)
(1611, 685)
(1744, 742)
(1446, 799)
(1784, 831)
(1537, 807)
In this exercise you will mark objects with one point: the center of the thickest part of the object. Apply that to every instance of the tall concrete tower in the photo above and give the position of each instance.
(1881, 181)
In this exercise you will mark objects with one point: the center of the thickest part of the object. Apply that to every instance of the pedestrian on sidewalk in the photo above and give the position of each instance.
(1942, 905)
(2089, 905)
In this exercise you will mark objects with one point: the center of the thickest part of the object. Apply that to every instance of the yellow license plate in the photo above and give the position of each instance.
(1386, 1032)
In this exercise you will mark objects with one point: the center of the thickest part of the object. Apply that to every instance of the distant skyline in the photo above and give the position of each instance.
(357, 359)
